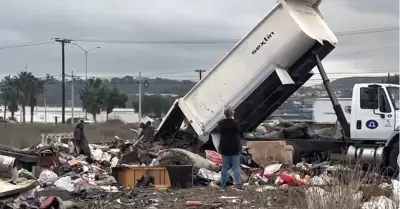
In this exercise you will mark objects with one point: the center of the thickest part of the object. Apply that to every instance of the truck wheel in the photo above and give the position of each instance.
(394, 154)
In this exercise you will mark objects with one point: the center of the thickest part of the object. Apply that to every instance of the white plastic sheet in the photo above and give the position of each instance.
(47, 176)
(273, 168)
(65, 183)
(210, 175)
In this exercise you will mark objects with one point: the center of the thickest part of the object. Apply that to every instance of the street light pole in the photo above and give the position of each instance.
(86, 52)
(86, 63)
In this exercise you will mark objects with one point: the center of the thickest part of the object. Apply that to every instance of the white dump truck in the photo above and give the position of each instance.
(266, 67)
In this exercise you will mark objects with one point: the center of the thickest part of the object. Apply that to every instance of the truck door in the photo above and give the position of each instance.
(375, 116)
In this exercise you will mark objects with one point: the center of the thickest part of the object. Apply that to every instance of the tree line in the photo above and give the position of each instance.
(96, 96)
(127, 84)
(23, 90)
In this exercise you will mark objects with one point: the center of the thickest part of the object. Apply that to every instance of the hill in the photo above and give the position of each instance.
(348, 83)
(130, 86)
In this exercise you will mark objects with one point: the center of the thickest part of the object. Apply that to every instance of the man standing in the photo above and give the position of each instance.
(81, 140)
(147, 131)
(230, 147)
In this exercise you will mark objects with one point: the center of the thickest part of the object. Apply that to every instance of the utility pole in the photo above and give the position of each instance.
(72, 98)
(140, 97)
(45, 110)
(200, 71)
(63, 42)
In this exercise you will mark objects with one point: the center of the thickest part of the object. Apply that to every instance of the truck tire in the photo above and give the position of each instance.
(394, 154)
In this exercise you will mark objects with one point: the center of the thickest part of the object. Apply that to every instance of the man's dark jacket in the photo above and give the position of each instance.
(229, 144)
(81, 140)
(79, 134)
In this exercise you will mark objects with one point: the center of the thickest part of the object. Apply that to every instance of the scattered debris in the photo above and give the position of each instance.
(143, 173)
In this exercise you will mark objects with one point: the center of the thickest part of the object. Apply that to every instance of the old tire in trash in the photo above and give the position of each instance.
(180, 176)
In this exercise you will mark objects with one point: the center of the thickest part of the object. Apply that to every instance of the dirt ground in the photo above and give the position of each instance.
(211, 198)
(25, 135)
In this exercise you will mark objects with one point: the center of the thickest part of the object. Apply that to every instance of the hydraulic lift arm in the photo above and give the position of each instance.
(336, 106)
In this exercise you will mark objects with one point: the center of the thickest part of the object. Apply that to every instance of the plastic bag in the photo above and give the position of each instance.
(210, 175)
(47, 176)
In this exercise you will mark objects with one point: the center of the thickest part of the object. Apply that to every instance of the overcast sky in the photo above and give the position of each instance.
(158, 20)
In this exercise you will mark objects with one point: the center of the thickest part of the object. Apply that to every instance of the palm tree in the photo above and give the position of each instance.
(36, 89)
(114, 98)
(10, 95)
(29, 87)
(93, 96)
(5, 94)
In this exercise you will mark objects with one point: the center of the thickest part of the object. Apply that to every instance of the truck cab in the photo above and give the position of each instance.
(374, 125)
(374, 112)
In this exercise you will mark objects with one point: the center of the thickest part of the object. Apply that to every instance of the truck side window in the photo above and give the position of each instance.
(364, 99)
(384, 106)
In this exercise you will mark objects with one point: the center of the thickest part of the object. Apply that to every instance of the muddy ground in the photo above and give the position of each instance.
(210, 197)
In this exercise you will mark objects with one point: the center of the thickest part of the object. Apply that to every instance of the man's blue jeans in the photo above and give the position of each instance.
(227, 163)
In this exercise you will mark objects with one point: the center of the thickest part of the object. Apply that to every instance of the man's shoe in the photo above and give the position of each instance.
(223, 189)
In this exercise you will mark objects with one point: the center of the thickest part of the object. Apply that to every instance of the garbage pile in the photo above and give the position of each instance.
(290, 130)
(133, 173)
(53, 174)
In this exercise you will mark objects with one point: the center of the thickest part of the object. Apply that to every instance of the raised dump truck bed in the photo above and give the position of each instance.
(261, 71)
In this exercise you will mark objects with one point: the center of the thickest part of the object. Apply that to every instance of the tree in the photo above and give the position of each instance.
(97, 97)
(154, 105)
(393, 79)
(9, 95)
(114, 99)
(36, 89)
(29, 87)
(93, 96)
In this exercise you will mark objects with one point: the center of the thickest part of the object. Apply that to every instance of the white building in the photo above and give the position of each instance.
(49, 114)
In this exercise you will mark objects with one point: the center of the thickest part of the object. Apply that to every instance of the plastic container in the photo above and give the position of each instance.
(214, 156)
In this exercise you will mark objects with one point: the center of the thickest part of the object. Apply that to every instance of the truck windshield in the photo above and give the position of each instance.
(394, 96)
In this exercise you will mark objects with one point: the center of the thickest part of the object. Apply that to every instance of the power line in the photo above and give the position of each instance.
(216, 41)
(361, 51)
(173, 72)
(180, 77)
(29, 42)
(32, 43)
(223, 41)
(170, 74)
(367, 31)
